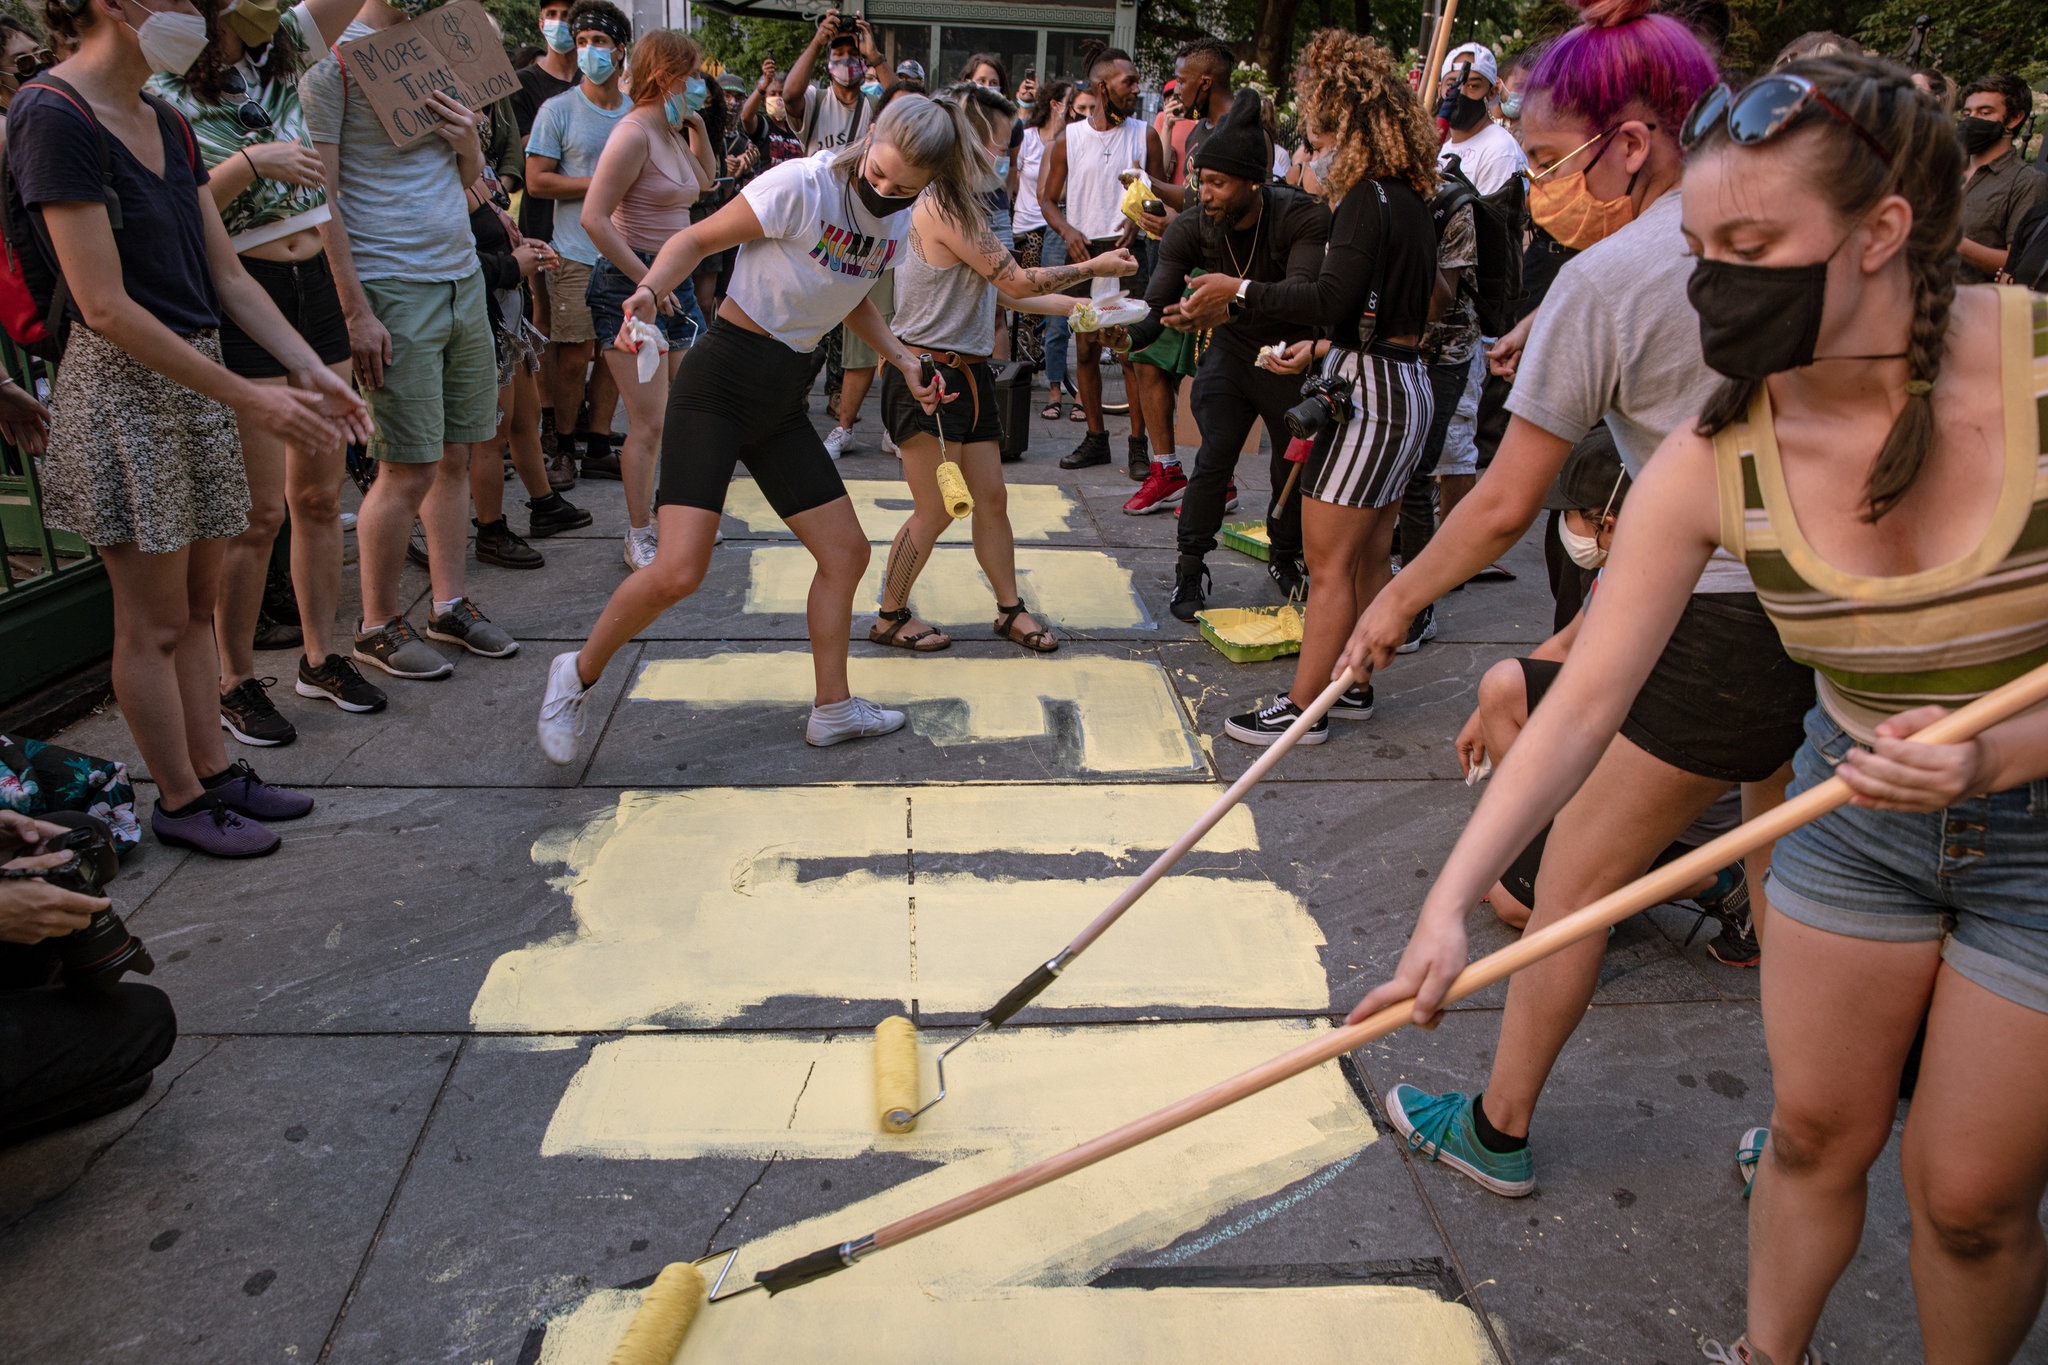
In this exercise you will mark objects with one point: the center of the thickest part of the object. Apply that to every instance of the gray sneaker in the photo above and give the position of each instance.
(397, 649)
(464, 625)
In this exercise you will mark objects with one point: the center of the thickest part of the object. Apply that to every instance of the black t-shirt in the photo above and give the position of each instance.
(1336, 298)
(1286, 243)
(2027, 259)
(53, 152)
(536, 87)
(1197, 135)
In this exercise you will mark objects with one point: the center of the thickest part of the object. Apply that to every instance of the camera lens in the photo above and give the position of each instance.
(94, 957)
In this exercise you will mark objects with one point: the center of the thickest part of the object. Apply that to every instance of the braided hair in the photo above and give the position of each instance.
(1348, 86)
(1927, 165)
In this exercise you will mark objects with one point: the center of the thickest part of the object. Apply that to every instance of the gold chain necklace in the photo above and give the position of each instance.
(1257, 227)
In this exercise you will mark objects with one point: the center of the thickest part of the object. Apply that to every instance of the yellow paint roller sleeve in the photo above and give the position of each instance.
(953, 490)
(656, 1332)
(896, 1074)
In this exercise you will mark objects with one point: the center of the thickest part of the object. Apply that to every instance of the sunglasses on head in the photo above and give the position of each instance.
(252, 116)
(1765, 108)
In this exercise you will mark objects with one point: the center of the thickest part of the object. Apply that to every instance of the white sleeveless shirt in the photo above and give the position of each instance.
(1094, 194)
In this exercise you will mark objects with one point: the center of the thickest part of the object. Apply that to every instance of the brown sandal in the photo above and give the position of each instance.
(878, 634)
(1037, 641)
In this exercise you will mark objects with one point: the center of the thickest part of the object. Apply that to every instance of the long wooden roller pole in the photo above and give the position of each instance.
(1438, 47)
(1653, 888)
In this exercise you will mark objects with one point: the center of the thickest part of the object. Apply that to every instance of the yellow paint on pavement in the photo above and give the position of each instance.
(1079, 589)
(1006, 1285)
(689, 908)
(1038, 511)
(1130, 716)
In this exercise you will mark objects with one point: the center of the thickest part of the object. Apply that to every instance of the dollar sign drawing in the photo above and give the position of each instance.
(452, 25)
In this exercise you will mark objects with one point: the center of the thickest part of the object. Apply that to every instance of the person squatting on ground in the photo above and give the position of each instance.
(1242, 225)
(1377, 161)
(143, 458)
(1872, 454)
(948, 284)
(412, 294)
(812, 234)
(66, 1054)
(1202, 70)
(1081, 194)
(562, 147)
(1616, 338)
(241, 98)
(658, 161)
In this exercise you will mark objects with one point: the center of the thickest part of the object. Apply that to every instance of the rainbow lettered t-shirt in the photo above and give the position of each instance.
(819, 253)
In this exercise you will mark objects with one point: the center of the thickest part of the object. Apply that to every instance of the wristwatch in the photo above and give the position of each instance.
(1237, 299)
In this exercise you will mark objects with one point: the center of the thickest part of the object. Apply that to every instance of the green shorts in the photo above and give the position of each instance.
(855, 354)
(441, 387)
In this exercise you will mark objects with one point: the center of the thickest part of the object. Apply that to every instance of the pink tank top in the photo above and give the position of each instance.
(656, 206)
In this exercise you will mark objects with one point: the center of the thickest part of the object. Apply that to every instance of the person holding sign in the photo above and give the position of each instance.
(143, 460)
(653, 169)
(562, 148)
(242, 99)
(812, 236)
(419, 331)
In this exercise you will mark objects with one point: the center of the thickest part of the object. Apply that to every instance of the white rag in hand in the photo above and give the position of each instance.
(649, 345)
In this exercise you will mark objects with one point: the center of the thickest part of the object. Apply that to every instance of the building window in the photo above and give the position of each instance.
(899, 41)
(1018, 48)
(1063, 55)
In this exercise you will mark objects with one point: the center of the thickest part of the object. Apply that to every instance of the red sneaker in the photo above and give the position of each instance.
(1230, 496)
(1162, 489)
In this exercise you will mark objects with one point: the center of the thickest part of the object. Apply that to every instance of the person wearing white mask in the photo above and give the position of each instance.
(143, 460)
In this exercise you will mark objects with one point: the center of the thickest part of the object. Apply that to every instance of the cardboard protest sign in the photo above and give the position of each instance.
(452, 48)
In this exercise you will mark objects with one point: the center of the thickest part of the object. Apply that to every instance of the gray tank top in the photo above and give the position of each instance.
(943, 310)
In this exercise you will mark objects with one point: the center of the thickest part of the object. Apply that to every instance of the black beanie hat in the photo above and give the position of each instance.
(1238, 144)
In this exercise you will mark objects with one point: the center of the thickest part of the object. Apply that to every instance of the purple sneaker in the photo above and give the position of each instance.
(247, 794)
(211, 827)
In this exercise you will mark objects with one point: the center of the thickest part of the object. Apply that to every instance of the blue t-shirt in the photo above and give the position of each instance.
(573, 131)
(53, 151)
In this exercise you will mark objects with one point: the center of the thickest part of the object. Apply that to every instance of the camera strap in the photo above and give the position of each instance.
(1369, 320)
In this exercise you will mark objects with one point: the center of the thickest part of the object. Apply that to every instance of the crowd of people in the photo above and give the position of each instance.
(1735, 333)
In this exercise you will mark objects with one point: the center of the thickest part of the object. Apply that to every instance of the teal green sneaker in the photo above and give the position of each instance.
(1749, 1153)
(1440, 1127)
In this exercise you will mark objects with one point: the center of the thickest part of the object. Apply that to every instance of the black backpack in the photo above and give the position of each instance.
(1498, 223)
(34, 299)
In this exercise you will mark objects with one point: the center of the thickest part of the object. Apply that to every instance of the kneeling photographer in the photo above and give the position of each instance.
(1376, 160)
(76, 1041)
(1261, 231)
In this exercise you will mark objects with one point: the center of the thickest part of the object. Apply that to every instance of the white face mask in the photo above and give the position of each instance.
(171, 41)
(1585, 551)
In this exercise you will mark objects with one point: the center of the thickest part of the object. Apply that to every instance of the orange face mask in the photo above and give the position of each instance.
(1563, 207)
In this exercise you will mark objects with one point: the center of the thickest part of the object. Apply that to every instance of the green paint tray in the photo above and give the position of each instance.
(1231, 622)
(1248, 538)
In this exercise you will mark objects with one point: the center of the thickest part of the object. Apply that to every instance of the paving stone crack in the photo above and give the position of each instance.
(711, 1242)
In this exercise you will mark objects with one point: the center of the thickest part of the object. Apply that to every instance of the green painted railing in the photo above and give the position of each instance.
(56, 610)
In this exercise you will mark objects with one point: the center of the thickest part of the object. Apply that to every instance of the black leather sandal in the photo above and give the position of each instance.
(892, 634)
(1037, 641)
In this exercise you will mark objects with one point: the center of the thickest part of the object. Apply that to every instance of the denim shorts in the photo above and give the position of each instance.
(607, 294)
(1973, 877)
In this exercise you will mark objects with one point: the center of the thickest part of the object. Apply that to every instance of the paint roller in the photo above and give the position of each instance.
(1653, 888)
(952, 483)
(896, 1069)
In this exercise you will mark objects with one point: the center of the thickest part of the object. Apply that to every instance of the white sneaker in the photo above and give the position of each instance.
(640, 546)
(889, 447)
(561, 711)
(854, 718)
(838, 441)
(348, 521)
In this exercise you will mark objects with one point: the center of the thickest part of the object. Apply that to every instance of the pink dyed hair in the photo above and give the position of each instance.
(1622, 55)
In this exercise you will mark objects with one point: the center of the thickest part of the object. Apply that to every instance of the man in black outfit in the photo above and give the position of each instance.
(1256, 230)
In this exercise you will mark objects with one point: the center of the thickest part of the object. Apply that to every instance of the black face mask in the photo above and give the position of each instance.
(873, 200)
(1978, 134)
(1757, 320)
(1463, 112)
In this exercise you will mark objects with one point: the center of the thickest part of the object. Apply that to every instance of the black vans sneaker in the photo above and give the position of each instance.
(1421, 630)
(1290, 576)
(1191, 586)
(1355, 704)
(339, 681)
(246, 713)
(1093, 450)
(1268, 723)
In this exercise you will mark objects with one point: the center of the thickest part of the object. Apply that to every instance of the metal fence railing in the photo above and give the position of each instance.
(56, 610)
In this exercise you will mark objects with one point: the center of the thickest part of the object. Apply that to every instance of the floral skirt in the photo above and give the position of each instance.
(135, 458)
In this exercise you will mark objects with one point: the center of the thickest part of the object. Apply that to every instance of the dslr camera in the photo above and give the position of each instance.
(1324, 399)
(92, 958)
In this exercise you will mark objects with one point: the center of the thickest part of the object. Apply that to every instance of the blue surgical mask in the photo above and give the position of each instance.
(872, 89)
(1002, 166)
(596, 63)
(695, 92)
(674, 107)
(555, 32)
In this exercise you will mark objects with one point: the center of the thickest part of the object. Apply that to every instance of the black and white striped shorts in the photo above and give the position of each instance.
(1370, 459)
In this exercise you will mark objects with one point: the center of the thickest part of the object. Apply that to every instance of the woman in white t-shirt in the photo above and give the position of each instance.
(812, 236)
